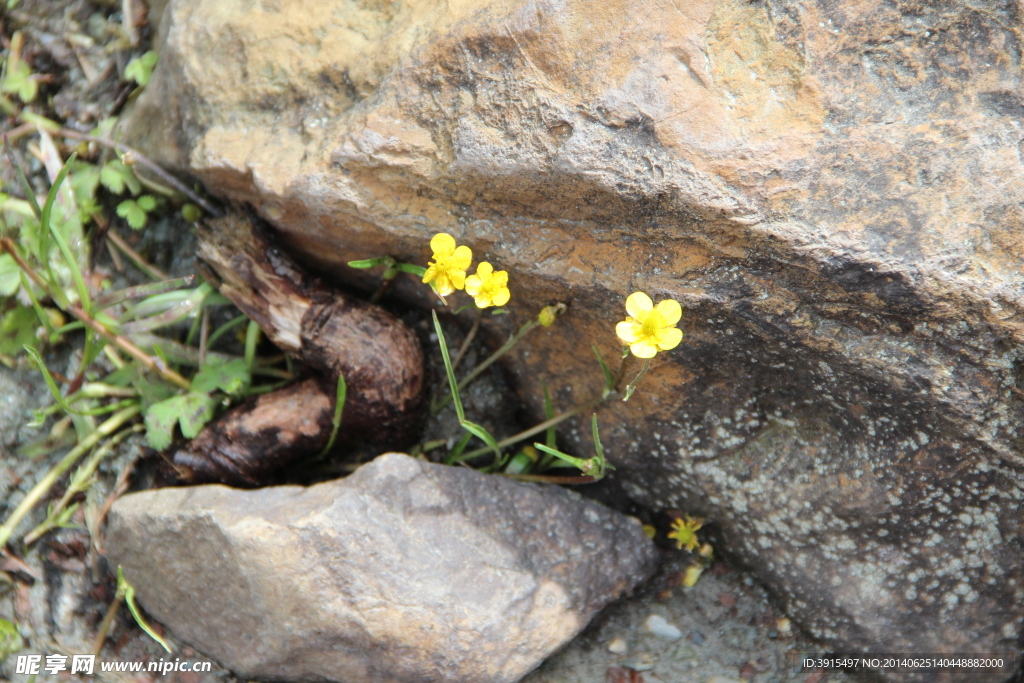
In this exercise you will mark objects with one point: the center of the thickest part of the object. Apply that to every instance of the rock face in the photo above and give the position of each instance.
(832, 189)
(404, 571)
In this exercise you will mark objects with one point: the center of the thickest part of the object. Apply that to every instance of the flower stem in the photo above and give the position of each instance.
(469, 339)
(505, 348)
(632, 385)
(536, 429)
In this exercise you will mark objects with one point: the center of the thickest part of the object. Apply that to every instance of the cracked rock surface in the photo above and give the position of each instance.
(833, 190)
(404, 571)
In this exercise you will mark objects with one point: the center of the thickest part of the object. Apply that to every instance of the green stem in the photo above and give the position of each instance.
(81, 477)
(633, 385)
(50, 478)
(536, 429)
(505, 348)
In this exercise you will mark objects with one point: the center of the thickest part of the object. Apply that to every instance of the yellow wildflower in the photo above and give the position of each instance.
(448, 269)
(488, 288)
(649, 328)
(684, 531)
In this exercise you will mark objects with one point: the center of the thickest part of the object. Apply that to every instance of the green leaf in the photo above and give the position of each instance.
(367, 262)
(231, 377)
(116, 176)
(130, 210)
(104, 128)
(339, 405)
(10, 639)
(84, 178)
(17, 328)
(191, 212)
(448, 369)
(152, 391)
(146, 202)
(10, 275)
(609, 378)
(19, 80)
(412, 269)
(191, 411)
(197, 410)
(140, 69)
(127, 591)
(484, 435)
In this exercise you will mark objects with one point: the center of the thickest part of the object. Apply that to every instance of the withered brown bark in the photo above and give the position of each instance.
(249, 442)
(379, 356)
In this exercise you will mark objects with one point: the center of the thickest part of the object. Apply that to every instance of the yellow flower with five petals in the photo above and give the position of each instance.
(448, 269)
(488, 288)
(684, 532)
(649, 328)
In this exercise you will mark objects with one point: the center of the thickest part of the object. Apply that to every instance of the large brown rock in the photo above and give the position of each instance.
(404, 572)
(833, 190)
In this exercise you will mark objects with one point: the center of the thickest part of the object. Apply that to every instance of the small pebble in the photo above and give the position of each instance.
(697, 637)
(618, 647)
(784, 625)
(658, 626)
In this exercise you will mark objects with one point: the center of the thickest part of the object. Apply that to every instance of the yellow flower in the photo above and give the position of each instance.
(448, 269)
(649, 328)
(684, 531)
(487, 287)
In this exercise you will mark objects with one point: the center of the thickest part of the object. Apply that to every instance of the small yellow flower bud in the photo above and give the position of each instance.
(693, 573)
(549, 314)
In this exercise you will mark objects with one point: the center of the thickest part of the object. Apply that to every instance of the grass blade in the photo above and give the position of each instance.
(127, 591)
(30, 194)
(609, 378)
(339, 405)
(448, 369)
(252, 338)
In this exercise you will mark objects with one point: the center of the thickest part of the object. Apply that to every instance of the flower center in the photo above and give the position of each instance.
(652, 323)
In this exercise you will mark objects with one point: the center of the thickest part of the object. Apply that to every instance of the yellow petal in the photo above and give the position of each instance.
(473, 285)
(462, 258)
(482, 301)
(637, 304)
(444, 285)
(430, 274)
(670, 311)
(501, 297)
(643, 349)
(500, 279)
(458, 278)
(484, 270)
(627, 331)
(669, 338)
(442, 244)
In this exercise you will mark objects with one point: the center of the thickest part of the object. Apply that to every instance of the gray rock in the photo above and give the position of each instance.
(833, 190)
(404, 571)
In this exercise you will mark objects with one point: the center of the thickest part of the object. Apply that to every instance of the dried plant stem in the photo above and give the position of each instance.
(502, 350)
(469, 339)
(108, 621)
(115, 422)
(154, 364)
(143, 161)
(536, 429)
(136, 258)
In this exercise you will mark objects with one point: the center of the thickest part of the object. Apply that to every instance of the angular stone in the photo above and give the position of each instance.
(832, 189)
(404, 571)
